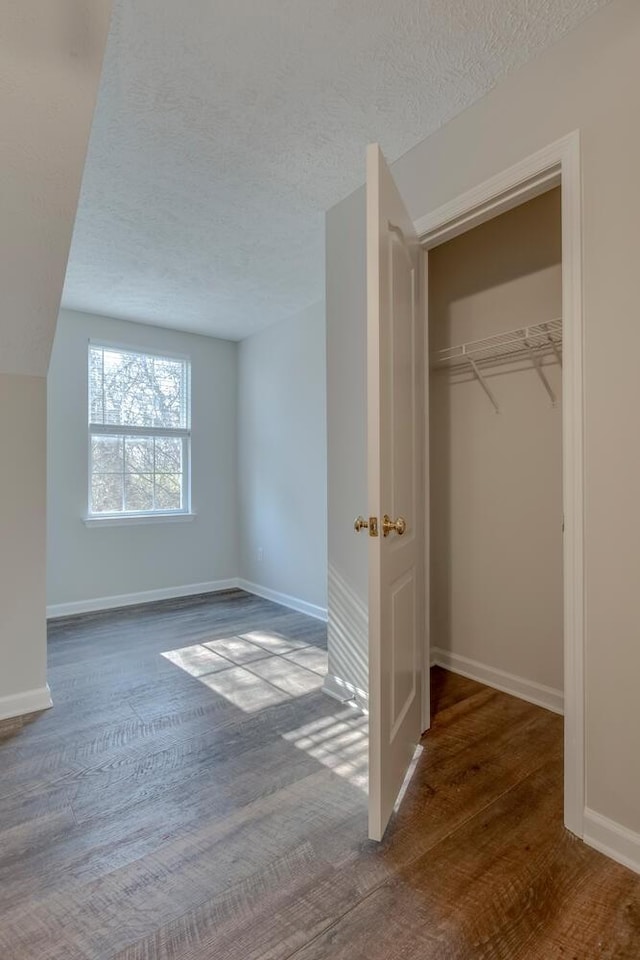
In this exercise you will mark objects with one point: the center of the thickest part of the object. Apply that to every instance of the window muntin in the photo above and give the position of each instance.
(139, 432)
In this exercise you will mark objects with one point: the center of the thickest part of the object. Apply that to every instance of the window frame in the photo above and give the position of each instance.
(119, 430)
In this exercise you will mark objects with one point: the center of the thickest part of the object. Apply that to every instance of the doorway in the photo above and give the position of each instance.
(495, 400)
(557, 166)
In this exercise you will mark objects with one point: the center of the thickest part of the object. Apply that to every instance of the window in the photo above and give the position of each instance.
(139, 433)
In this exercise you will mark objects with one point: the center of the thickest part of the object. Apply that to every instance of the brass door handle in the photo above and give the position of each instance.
(360, 523)
(389, 525)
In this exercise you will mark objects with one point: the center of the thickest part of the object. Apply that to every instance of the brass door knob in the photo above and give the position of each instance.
(360, 523)
(399, 526)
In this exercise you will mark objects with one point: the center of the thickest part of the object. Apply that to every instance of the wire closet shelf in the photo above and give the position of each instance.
(535, 343)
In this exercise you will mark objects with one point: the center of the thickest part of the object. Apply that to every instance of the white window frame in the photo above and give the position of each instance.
(117, 430)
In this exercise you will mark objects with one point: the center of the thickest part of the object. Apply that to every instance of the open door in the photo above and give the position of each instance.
(396, 361)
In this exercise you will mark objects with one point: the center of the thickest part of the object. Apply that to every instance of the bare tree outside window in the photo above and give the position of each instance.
(139, 426)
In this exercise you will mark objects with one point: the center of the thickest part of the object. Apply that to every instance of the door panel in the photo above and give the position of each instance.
(403, 649)
(402, 401)
(396, 440)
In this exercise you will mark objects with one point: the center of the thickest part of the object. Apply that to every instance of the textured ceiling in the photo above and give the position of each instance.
(224, 130)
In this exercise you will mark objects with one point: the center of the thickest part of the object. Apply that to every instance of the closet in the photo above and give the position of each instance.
(495, 388)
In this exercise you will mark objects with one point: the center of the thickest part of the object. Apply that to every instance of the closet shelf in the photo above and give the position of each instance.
(533, 343)
(544, 338)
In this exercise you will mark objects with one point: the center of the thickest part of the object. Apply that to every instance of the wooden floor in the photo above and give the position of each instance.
(193, 802)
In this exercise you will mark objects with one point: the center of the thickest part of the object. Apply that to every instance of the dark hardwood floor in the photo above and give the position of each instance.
(194, 796)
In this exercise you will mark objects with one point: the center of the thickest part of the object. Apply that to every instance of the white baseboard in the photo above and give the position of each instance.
(343, 691)
(187, 590)
(294, 603)
(612, 839)
(31, 701)
(547, 697)
(145, 596)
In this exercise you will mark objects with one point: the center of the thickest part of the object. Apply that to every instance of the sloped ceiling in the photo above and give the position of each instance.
(50, 59)
(224, 130)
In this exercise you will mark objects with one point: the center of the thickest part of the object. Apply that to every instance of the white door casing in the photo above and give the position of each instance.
(556, 163)
(396, 441)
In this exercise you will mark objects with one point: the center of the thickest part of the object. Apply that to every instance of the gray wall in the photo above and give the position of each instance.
(588, 81)
(496, 480)
(46, 110)
(87, 563)
(282, 457)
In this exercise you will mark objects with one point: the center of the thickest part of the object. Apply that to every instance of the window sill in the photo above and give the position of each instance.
(134, 519)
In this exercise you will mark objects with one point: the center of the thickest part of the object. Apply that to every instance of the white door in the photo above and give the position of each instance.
(396, 359)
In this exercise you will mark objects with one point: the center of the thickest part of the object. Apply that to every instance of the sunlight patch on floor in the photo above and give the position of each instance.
(256, 670)
(244, 690)
(197, 660)
(260, 669)
(339, 742)
(273, 642)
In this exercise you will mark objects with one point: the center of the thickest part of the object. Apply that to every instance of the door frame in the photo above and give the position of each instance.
(558, 164)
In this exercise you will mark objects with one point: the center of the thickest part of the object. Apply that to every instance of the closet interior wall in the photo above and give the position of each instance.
(496, 478)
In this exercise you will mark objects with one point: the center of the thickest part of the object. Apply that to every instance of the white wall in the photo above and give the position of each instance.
(88, 563)
(496, 480)
(22, 557)
(347, 446)
(588, 81)
(282, 458)
(49, 72)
